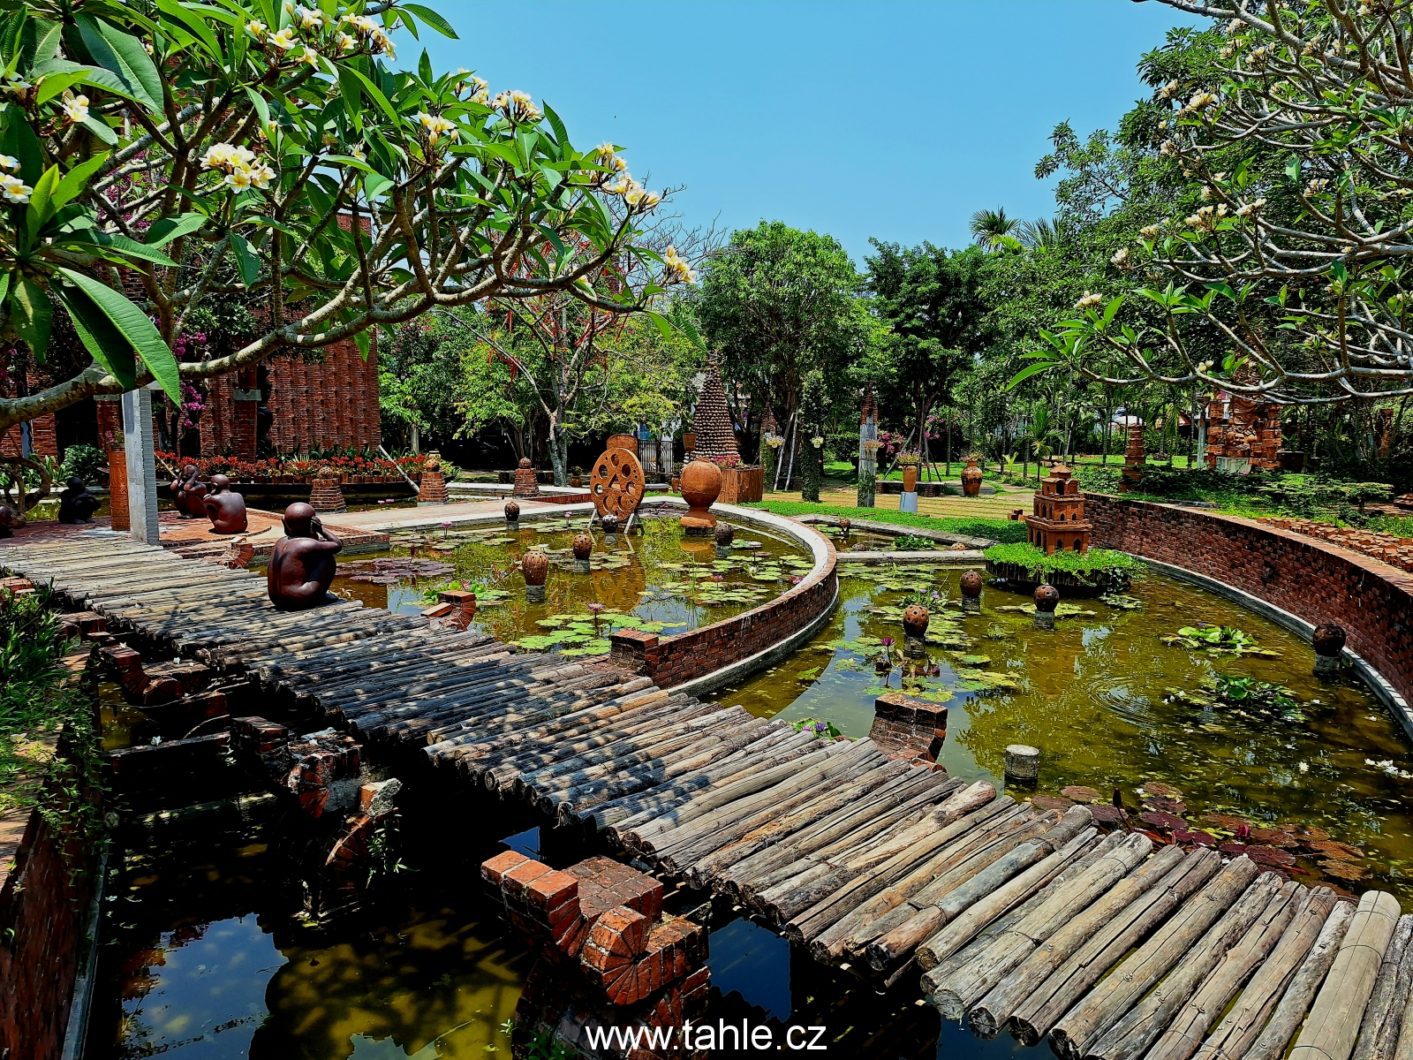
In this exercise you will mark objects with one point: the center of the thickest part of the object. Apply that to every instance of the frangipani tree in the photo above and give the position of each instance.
(159, 153)
(1295, 265)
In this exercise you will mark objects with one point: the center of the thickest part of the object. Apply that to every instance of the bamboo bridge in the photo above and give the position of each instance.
(1037, 922)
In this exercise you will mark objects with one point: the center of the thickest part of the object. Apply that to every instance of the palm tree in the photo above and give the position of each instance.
(992, 229)
(1041, 232)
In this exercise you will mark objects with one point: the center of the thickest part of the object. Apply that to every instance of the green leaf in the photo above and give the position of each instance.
(41, 206)
(193, 24)
(431, 18)
(34, 317)
(103, 342)
(246, 260)
(170, 228)
(1028, 371)
(76, 179)
(136, 330)
(125, 56)
(374, 93)
(100, 130)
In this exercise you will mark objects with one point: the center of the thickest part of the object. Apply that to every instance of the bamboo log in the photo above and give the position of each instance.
(1383, 1018)
(1242, 1023)
(1290, 1011)
(1089, 1021)
(1330, 1031)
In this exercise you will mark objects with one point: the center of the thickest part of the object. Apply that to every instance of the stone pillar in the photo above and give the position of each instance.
(245, 428)
(907, 502)
(110, 440)
(141, 460)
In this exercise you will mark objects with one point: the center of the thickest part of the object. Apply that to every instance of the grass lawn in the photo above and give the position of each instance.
(973, 517)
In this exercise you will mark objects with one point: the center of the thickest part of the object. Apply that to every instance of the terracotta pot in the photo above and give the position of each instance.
(535, 566)
(1329, 639)
(583, 546)
(576, 480)
(971, 479)
(622, 441)
(1047, 598)
(701, 485)
(844, 525)
(689, 441)
(910, 479)
(971, 584)
(725, 534)
(512, 512)
(915, 620)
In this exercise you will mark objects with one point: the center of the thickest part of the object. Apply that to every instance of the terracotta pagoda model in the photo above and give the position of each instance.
(1058, 523)
(1135, 456)
(1243, 433)
(712, 420)
(527, 480)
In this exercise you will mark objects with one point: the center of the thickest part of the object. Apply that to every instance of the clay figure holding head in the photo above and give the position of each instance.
(188, 492)
(302, 565)
(225, 507)
(76, 504)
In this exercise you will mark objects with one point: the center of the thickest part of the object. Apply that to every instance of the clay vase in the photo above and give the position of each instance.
(583, 547)
(622, 441)
(1047, 598)
(701, 485)
(910, 479)
(535, 566)
(844, 525)
(971, 479)
(512, 513)
(971, 584)
(915, 620)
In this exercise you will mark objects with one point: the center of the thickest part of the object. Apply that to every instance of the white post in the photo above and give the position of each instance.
(139, 450)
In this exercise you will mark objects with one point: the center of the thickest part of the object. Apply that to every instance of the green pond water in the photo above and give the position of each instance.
(1095, 695)
(658, 580)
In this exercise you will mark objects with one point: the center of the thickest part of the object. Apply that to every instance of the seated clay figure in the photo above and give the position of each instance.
(188, 492)
(76, 504)
(9, 519)
(302, 565)
(225, 507)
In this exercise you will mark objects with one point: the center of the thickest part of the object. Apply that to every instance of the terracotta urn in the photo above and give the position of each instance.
(701, 485)
(725, 534)
(524, 463)
(583, 546)
(689, 441)
(512, 512)
(910, 478)
(622, 441)
(1047, 598)
(609, 523)
(1329, 639)
(971, 584)
(535, 566)
(971, 478)
(915, 620)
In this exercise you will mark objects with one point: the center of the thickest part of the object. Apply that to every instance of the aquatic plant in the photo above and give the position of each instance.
(825, 730)
(1244, 695)
(1097, 561)
(1217, 640)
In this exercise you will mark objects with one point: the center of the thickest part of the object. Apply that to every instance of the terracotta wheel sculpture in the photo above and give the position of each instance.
(617, 484)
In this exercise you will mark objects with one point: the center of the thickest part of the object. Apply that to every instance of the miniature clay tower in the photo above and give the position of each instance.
(712, 420)
(971, 591)
(326, 495)
(1329, 641)
(432, 488)
(1134, 457)
(1058, 523)
(527, 481)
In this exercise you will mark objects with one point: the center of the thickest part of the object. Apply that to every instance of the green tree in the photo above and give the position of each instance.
(994, 230)
(419, 377)
(778, 303)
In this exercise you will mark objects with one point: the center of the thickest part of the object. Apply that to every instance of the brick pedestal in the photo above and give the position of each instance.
(326, 495)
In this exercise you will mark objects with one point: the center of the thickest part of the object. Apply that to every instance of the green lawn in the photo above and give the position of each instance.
(997, 529)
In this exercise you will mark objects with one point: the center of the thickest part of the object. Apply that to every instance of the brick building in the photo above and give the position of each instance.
(328, 403)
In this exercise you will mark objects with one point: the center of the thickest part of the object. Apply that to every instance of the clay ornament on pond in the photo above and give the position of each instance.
(225, 507)
(512, 515)
(188, 492)
(76, 504)
(302, 565)
(971, 584)
(534, 565)
(1047, 598)
(701, 485)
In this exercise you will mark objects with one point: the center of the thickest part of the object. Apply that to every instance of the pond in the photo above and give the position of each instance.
(657, 581)
(1316, 780)
(873, 541)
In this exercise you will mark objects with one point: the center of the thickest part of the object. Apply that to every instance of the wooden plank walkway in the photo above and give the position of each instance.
(1019, 919)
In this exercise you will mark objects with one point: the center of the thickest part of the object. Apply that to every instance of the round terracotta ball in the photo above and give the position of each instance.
(1329, 639)
(524, 463)
(915, 619)
(1047, 598)
(583, 545)
(535, 566)
(971, 584)
(512, 511)
(609, 523)
(701, 483)
(844, 525)
(725, 534)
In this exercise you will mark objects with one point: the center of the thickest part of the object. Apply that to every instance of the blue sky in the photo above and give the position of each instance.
(888, 118)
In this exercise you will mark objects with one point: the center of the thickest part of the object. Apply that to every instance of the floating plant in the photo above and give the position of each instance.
(1217, 640)
(1243, 696)
(391, 570)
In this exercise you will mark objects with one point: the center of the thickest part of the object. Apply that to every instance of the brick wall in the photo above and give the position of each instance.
(332, 403)
(42, 438)
(1312, 579)
(39, 962)
(686, 656)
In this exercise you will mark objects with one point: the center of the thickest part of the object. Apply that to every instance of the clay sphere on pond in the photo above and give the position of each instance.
(1329, 639)
(972, 584)
(844, 525)
(609, 522)
(1047, 598)
(583, 546)
(725, 534)
(535, 566)
(512, 512)
(524, 463)
(915, 619)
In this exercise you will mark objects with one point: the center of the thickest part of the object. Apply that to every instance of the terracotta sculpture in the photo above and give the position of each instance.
(701, 485)
(302, 565)
(225, 507)
(9, 519)
(971, 477)
(76, 504)
(971, 585)
(188, 492)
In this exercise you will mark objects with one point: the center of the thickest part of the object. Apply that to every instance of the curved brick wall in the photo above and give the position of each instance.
(1313, 580)
(687, 656)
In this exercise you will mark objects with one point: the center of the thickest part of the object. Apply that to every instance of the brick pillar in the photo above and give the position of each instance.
(243, 432)
(110, 440)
